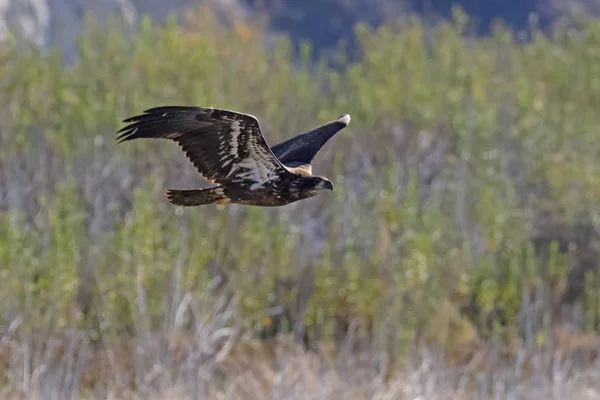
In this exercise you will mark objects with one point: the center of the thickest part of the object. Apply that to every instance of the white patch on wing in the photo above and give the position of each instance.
(259, 167)
(234, 132)
(247, 163)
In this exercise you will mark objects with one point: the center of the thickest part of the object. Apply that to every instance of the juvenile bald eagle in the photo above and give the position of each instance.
(228, 148)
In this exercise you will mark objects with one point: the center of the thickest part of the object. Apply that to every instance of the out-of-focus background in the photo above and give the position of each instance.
(456, 258)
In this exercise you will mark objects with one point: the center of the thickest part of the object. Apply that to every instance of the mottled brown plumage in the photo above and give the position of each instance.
(228, 148)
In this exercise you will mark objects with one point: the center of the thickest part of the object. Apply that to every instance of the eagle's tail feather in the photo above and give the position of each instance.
(198, 197)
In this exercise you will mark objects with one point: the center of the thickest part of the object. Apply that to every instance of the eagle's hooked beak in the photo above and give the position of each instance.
(326, 185)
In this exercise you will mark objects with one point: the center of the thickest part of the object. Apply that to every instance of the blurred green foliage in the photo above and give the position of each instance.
(86, 238)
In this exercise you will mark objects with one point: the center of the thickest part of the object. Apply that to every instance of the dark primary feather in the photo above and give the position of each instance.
(223, 145)
(302, 149)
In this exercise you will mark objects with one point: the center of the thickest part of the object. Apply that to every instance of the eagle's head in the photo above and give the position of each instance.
(313, 184)
(323, 183)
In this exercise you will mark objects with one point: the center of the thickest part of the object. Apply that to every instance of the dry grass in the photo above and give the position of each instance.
(183, 366)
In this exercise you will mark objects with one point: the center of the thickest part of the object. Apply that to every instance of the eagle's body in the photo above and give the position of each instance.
(286, 190)
(228, 149)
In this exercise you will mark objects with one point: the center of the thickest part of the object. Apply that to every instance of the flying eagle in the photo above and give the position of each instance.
(228, 149)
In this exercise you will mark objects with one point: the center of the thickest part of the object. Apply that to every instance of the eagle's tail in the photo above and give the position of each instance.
(199, 197)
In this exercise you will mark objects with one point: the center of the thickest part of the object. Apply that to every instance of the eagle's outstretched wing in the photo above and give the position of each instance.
(223, 145)
(302, 149)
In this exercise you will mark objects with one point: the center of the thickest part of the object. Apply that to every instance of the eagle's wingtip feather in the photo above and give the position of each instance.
(345, 118)
(125, 134)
